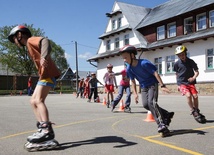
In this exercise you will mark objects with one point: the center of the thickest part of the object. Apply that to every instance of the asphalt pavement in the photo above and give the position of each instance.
(84, 128)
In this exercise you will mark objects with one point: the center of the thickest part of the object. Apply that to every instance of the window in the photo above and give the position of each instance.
(211, 18)
(126, 39)
(113, 24)
(119, 23)
(209, 57)
(188, 25)
(201, 21)
(108, 46)
(158, 64)
(117, 43)
(161, 32)
(170, 61)
(171, 30)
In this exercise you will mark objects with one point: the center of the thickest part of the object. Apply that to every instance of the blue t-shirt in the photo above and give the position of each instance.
(143, 72)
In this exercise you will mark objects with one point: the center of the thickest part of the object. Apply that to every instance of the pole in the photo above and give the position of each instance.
(76, 66)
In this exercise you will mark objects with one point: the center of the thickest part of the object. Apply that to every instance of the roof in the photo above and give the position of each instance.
(67, 75)
(172, 9)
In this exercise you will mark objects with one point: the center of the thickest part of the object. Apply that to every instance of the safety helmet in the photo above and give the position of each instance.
(109, 66)
(128, 49)
(180, 49)
(19, 28)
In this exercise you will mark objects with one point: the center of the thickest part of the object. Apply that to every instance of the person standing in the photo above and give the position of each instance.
(30, 84)
(146, 74)
(81, 88)
(124, 86)
(39, 50)
(109, 80)
(93, 87)
(186, 73)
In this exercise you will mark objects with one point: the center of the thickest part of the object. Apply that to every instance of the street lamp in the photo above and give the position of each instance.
(76, 65)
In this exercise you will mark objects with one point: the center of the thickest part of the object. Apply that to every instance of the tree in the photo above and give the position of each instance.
(18, 61)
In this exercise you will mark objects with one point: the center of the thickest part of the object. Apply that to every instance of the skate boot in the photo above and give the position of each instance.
(163, 130)
(46, 145)
(43, 139)
(198, 116)
(168, 118)
(127, 109)
(112, 106)
(108, 103)
(45, 132)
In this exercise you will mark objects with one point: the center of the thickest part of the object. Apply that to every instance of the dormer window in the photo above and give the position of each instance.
(161, 32)
(119, 23)
(113, 24)
(201, 21)
(171, 30)
(211, 18)
(188, 25)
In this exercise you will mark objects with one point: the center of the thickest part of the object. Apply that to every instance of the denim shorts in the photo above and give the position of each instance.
(51, 82)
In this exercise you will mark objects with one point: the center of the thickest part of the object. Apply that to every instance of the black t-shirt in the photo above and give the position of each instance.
(185, 70)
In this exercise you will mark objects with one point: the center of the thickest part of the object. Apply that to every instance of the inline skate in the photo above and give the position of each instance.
(198, 116)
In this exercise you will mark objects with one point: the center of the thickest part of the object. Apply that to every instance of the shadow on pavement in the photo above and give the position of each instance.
(186, 131)
(98, 140)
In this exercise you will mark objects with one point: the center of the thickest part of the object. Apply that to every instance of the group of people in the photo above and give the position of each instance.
(142, 70)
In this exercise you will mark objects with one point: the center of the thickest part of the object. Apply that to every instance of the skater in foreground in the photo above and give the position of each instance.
(186, 73)
(146, 74)
(39, 50)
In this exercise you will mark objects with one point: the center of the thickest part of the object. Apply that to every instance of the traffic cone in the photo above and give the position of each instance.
(149, 117)
(20, 93)
(104, 101)
(121, 108)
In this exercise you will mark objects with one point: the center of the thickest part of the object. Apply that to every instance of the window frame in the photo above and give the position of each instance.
(113, 24)
(203, 26)
(126, 39)
(117, 43)
(211, 18)
(187, 24)
(158, 64)
(207, 59)
(169, 29)
(108, 45)
(171, 60)
(119, 22)
(161, 34)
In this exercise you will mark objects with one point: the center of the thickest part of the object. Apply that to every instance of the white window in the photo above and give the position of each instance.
(211, 18)
(188, 25)
(119, 23)
(108, 45)
(161, 32)
(170, 61)
(171, 30)
(126, 39)
(158, 64)
(209, 57)
(201, 21)
(113, 24)
(117, 43)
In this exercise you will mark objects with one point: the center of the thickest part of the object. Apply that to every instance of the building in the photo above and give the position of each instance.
(156, 32)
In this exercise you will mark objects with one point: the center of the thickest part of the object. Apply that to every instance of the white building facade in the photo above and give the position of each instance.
(156, 33)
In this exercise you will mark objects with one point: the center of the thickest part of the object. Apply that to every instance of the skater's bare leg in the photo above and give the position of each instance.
(195, 100)
(38, 103)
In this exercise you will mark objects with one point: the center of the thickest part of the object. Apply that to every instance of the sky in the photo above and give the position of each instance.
(66, 22)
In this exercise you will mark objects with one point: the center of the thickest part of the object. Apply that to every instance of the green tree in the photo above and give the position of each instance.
(18, 61)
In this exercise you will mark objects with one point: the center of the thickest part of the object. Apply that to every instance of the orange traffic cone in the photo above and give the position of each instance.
(121, 108)
(104, 101)
(149, 117)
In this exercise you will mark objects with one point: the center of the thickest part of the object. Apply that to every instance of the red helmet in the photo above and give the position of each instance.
(109, 66)
(129, 49)
(16, 29)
